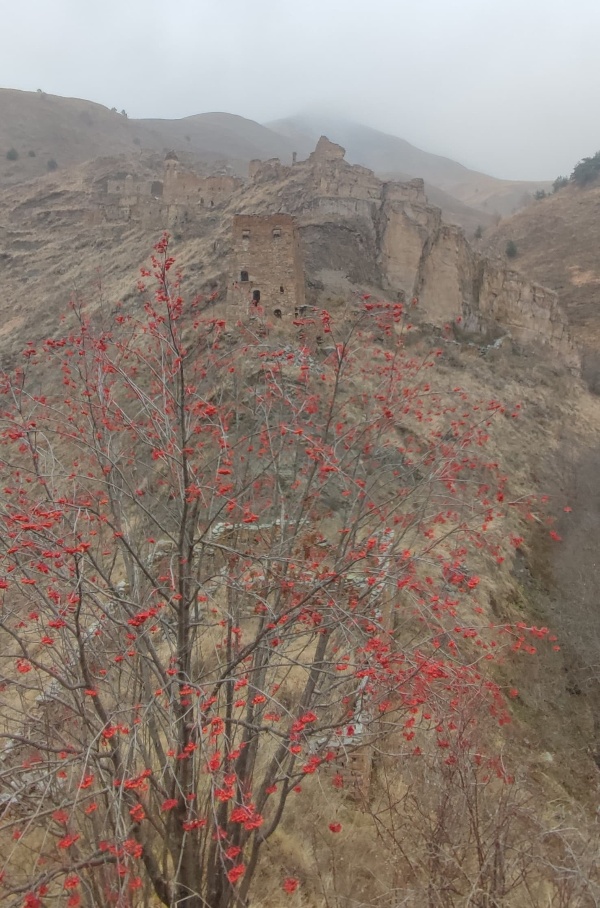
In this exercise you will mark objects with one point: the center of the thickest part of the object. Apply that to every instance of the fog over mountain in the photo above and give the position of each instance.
(37, 128)
(506, 87)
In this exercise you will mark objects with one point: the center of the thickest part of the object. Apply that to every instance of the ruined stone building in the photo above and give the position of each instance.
(358, 233)
(267, 265)
(180, 196)
(185, 187)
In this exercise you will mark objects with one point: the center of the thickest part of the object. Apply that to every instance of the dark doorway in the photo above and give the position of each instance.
(244, 277)
(256, 297)
(277, 313)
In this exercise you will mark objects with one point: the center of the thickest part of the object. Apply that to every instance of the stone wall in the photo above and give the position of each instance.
(530, 312)
(267, 259)
(130, 190)
(148, 212)
(273, 169)
(327, 151)
(406, 225)
(445, 282)
(179, 199)
(185, 187)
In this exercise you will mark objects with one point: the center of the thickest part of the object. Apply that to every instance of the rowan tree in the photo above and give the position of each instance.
(227, 561)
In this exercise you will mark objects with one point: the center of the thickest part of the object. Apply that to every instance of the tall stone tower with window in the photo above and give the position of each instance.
(268, 267)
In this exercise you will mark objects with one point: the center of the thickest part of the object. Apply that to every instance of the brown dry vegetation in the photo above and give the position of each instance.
(48, 255)
(438, 835)
(72, 130)
(557, 241)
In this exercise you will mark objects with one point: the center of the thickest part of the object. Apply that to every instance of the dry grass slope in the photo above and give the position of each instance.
(48, 255)
(42, 128)
(557, 242)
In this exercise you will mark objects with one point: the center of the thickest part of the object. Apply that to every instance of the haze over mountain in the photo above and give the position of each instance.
(42, 128)
(395, 158)
(72, 130)
(505, 87)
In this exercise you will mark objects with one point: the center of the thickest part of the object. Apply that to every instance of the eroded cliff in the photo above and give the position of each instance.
(385, 234)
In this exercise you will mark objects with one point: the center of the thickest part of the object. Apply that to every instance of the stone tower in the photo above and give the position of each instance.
(267, 265)
(170, 174)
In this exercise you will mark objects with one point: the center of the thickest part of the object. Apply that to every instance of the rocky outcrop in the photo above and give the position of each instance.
(386, 233)
(406, 226)
(531, 313)
(447, 283)
(327, 151)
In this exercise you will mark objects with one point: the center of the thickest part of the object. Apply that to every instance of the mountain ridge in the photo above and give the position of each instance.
(48, 130)
(393, 157)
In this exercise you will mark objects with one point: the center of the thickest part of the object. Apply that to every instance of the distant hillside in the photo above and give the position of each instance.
(42, 128)
(456, 212)
(39, 132)
(557, 240)
(222, 135)
(392, 157)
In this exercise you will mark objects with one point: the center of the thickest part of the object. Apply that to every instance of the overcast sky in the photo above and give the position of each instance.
(511, 87)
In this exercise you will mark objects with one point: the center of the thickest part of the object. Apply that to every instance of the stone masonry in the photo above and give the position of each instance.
(357, 231)
(267, 265)
(384, 236)
(183, 186)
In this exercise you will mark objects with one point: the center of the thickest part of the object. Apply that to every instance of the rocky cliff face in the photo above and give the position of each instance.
(357, 232)
(386, 234)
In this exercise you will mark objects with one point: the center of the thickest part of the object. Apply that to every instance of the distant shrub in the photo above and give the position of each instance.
(587, 170)
(12, 154)
(51, 165)
(31, 154)
(478, 232)
(560, 183)
(137, 140)
(511, 249)
(540, 194)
